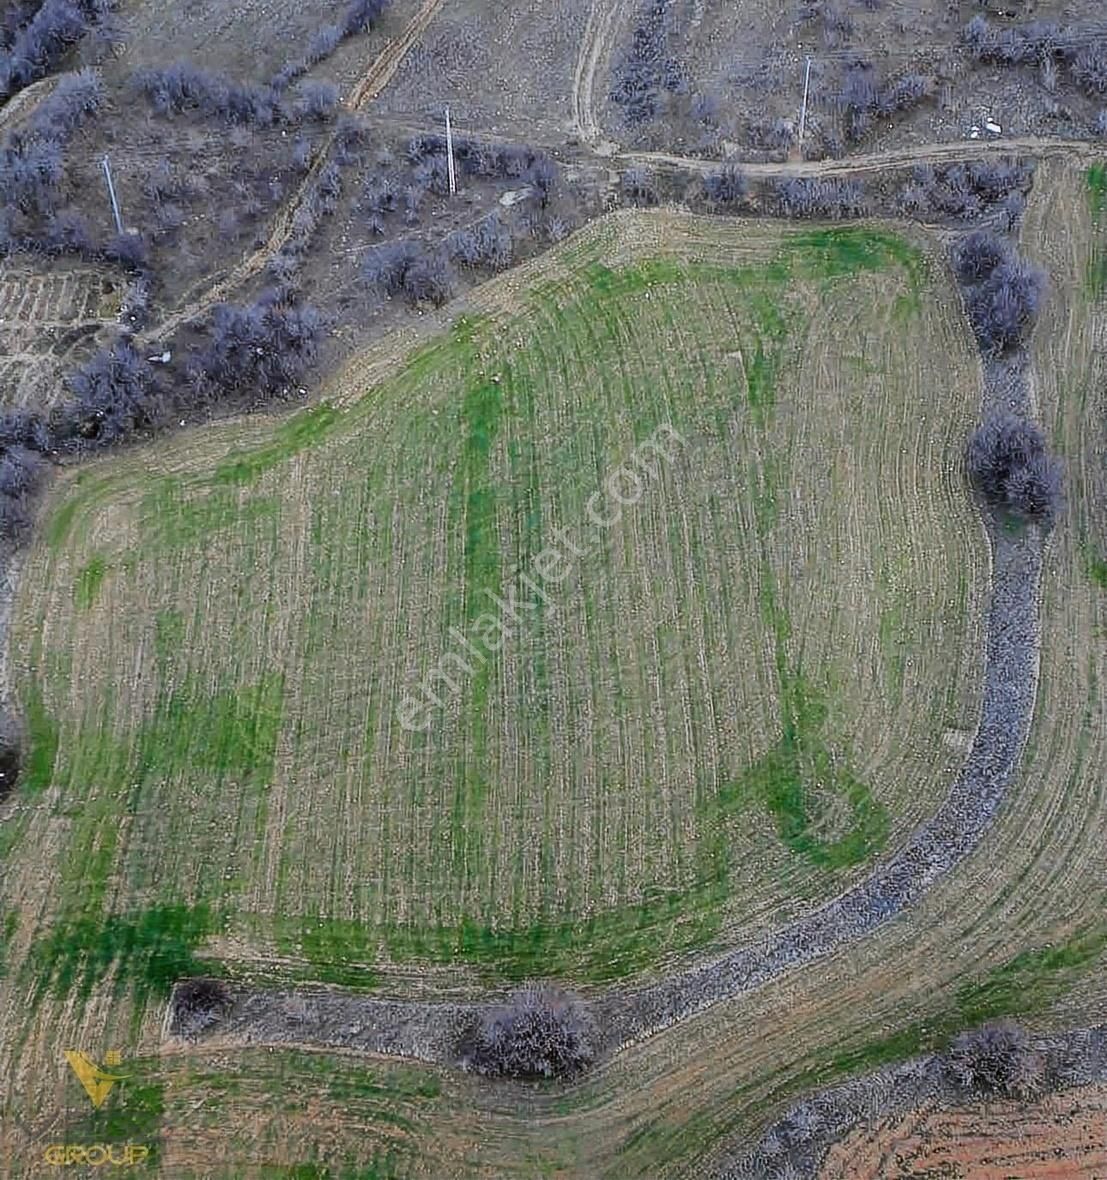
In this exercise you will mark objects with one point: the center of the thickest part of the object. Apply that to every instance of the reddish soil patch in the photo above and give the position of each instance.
(1063, 1137)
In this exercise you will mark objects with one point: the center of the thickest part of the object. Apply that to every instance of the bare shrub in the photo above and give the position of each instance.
(977, 256)
(833, 199)
(1010, 466)
(21, 472)
(197, 1005)
(361, 14)
(1089, 70)
(639, 186)
(727, 187)
(68, 232)
(185, 87)
(429, 279)
(964, 191)
(316, 100)
(998, 1059)
(407, 268)
(76, 97)
(488, 243)
(643, 71)
(1004, 307)
(54, 28)
(384, 266)
(129, 250)
(542, 1032)
(771, 134)
(1024, 44)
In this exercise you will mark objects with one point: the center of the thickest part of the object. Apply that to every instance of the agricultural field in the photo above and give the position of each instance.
(1060, 1138)
(45, 316)
(599, 797)
(569, 648)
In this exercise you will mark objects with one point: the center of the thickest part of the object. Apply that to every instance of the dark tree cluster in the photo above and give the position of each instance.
(639, 186)
(997, 1059)
(11, 754)
(863, 96)
(48, 32)
(32, 169)
(255, 352)
(967, 191)
(1003, 291)
(831, 199)
(24, 440)
(1012, 468)
(197, 1005)
(644, 71)
(726, 188)
(542, 1032)
(420, 273)
(112, 396)
(1039, 42)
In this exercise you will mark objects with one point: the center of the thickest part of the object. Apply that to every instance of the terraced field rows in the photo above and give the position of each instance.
(43, 318)
(227, 756)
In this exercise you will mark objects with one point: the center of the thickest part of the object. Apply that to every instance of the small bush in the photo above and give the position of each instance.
(1010, 466)
(316, 100)
(997, 1059)
(197, 1005)
(542, 1032)
(832, 199)
(726, 187)
(1089, 70)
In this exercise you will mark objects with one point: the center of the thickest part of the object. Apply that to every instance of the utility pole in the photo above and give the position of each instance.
(111, 193)
(803, 112)
(450, 154)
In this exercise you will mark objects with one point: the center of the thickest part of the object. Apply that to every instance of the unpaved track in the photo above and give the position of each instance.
(939, 153)
(935, 153)
(598, 33)
(382, 71)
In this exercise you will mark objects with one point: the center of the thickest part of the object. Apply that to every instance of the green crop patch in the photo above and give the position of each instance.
(564, 651)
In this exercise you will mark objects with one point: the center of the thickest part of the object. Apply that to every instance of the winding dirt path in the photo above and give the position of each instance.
(595, 48)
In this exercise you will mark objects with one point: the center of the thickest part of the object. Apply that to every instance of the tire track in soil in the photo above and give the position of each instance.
(596, 46)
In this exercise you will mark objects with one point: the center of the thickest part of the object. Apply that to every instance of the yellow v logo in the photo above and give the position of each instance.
(97, 1083)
